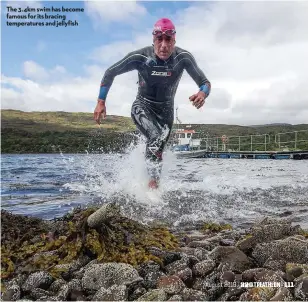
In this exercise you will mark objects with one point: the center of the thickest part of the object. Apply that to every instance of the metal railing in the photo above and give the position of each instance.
(297, 140)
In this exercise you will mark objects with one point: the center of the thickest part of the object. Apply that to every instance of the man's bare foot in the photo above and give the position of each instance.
(153, 184)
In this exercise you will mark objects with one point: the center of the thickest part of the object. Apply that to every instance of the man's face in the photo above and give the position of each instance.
(163, 46)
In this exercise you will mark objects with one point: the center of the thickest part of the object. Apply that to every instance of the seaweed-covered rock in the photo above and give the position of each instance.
(65, 252)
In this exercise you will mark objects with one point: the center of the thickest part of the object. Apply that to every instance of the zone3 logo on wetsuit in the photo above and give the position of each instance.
(161, 73)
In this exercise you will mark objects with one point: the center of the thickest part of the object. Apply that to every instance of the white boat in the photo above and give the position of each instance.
(185, 143)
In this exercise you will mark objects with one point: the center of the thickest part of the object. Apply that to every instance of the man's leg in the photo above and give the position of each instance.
(150, 125)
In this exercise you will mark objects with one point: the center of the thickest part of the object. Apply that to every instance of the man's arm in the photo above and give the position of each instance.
(197, 74)
(130, 62)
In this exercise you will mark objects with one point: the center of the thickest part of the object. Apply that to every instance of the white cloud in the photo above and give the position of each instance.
(34, 71)
(107, 11)
(254, 55)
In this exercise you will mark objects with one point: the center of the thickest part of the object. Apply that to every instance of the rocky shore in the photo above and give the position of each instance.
(80, 258)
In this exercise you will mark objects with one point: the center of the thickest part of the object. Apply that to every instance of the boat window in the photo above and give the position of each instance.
(182, 135)
(188, 135)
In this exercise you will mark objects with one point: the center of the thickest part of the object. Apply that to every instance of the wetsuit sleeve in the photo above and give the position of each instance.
(130, 62)
(197, 74)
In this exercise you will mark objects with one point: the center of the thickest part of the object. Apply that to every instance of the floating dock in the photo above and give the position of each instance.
(296, 155)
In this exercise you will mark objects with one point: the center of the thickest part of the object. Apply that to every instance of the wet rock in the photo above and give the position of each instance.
(201, 254)
(268, 276)
(39, 294)
(189, 294)
(148, 267)
(295, 270)
(76, 295)
(194, 237)
(177, 266)
(137, 293)
(202, 243)
(301, 289)
(246, 244)
(56, 285)
(215, 240)
(171, 284)
(108, 274)
(185, 275)
(258, 294)
(12, 292)
(274, 264)
(282, 294)
(176, 298)
(103, 214)
(113, 293)
(215, 292)
(232, 294)
(267, 230)
(151, 279)
(203, 268)
(170, 257)
(227, 276)
(235, 259)
(227, 242)
(39, 279)
(154, 295)
(187, 250)
(192, 260)
(75, 284)
(250, 274)
(63, 292)
(200, 284)
(290, 249)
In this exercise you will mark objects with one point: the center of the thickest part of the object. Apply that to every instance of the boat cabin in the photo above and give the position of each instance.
(186, 139)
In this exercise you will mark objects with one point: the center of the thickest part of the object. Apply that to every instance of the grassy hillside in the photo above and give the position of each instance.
(49, 132)
(35, 122)
(40, 132)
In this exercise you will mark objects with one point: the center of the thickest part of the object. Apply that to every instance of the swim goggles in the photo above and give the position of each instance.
(159, 33)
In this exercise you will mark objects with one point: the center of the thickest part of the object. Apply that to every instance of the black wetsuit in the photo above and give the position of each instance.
(153, 109)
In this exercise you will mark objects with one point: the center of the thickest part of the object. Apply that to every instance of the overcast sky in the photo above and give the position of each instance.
(254, 53)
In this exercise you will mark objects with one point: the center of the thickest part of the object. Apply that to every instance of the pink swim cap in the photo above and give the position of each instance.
(164, 24)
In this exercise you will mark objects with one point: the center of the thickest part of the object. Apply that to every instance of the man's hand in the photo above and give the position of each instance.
(198, 99)
(100, 110)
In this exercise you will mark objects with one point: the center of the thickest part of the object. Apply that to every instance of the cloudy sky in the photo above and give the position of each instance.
(254, 54)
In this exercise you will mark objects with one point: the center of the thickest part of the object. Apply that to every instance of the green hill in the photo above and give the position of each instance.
(49, 132)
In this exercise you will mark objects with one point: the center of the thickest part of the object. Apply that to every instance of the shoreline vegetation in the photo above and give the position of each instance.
(98, 254)
(68, 132)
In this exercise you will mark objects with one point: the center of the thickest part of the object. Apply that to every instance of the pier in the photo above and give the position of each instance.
(287, 145)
